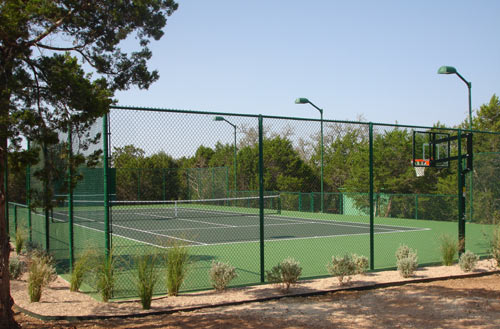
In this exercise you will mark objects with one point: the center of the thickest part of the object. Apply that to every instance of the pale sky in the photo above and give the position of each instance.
(378, 59)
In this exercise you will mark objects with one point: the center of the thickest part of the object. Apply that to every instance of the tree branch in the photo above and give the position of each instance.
(50, 29)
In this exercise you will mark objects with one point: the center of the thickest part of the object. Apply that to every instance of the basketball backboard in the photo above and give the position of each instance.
(428, 147)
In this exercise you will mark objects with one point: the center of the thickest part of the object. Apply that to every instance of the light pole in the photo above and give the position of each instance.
(219, 118)
(306, 101)
(452, 70)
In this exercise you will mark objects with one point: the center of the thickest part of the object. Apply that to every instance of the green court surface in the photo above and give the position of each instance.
(233, 235)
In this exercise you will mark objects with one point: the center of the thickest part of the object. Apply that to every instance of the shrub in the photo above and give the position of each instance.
(177, 266)
(16, 268)
(285, 273)
(361, 264)
(31, 246)
(468, 261)
(105, 272)
(448, 247)
(221, 274)
(406, 260)
(147, 277)
(41, 273)
(342, 268)
(495, 244)
(21, 237)
(82, 267)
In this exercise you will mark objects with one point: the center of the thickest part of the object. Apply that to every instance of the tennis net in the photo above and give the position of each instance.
(92, 211)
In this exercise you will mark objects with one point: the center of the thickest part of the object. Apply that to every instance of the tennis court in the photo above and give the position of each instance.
(215, 222)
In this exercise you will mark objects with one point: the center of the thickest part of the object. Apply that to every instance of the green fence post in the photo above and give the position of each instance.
(28, 199)
(300, 201)
(70, 199)
(46, 200)
(107, 242)
(372, 256)
(416, 206)
(15, 219)
(6, 191)
(261, 199)
(311, 201)
(461, 197)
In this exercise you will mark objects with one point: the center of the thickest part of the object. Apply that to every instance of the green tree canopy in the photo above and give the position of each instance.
(44, 87)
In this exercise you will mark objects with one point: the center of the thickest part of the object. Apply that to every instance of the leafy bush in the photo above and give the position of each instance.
(449, 248)
(82, 267)
(361, 264)
(41, 273)
(177, 266)
(285, 273)
(342, 268)
(406, 260)
(21, 237)
(16, 268)
(221, 274)
(468, 261)
(147, 277)
(105, 271)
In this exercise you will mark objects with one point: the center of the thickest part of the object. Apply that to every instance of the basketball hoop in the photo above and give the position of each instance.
(420, 165)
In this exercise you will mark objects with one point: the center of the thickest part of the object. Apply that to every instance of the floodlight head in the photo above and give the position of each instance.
(447, 70)
(302, 101)
(219, 118)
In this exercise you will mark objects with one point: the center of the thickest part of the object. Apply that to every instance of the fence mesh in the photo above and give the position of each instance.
(251, 191)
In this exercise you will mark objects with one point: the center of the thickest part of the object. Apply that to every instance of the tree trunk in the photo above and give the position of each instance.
(6, 301)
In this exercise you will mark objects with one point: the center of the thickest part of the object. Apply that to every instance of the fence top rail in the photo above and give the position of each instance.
(152, 109)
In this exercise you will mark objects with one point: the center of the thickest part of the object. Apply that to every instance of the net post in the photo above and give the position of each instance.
(261, 199)
(279, 204)
(107, 243)
(70, 198)
(372, 258)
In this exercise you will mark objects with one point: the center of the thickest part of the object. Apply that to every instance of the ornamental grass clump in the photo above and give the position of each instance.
(81, 268)
(468, 261)
(221, 274)
(41, 272)
(177, 266)
(146, 278)
(285, 274)
(21, 237)
(342, 268)
(448, 248)
(105, 275)
(406, 260)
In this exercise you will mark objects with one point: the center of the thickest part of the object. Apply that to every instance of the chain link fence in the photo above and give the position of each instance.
(249, 190)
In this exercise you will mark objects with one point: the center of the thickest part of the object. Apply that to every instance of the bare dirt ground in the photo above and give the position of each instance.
(454, 303)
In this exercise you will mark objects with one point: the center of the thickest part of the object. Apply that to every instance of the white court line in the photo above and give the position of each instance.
(187, 220)
(266, 225)
(134, 229)
(253, 241)
(311, 237)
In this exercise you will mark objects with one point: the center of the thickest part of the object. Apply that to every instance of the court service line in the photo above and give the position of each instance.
(185, 219)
